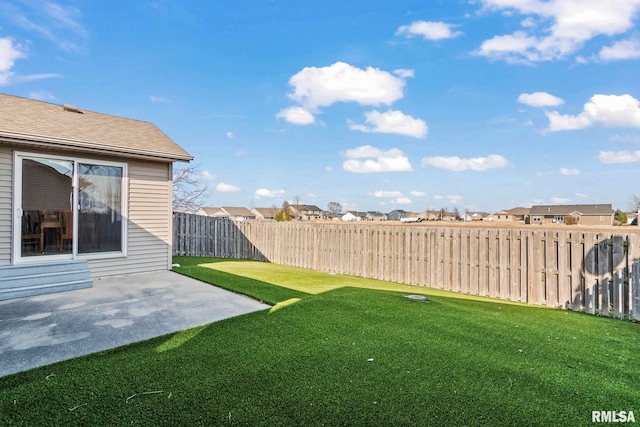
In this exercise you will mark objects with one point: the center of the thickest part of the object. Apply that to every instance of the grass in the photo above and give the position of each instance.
(344, 355)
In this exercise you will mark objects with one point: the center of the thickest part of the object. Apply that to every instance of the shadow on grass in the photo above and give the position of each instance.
(263, 291)
(232, 273)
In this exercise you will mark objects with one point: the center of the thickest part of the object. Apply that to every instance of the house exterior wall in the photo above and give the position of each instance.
(149, 217)
(503, 217)
(596, 220)
(581, 219)
(6, 195)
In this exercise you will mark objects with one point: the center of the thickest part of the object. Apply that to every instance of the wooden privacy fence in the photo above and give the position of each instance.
(575, 269)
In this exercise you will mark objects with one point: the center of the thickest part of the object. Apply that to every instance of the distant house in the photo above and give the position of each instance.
(512, 215)
(212, 211)
(238, 213)
(354, 216)
(305, 212)
(429, 215)
(330, 215)
(475, 216)
(376, 216)
(437, 215)
(265, 213)
(350, 216)
(397, 215)
(596, 214)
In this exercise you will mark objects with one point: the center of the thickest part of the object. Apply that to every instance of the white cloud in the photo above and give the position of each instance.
(227, 188)
(328, 169)
(581, 196)
(392, 121)
(207, 175)
(401, 201)
(418, 193)
(623, 49)
(36, 77)
(634, 139)
(268, 194)
(454, 163)
(619, 156)
(603, 110)
(540, 99)
(66, 17)
(296, 116)
(42, 95)
(404, 73)
(429, 30)
(376, 161)
(454, 199)
(159, 99)
(9, 53)
(559, 200)
(229, 135)
(55, 22)
(567, 171)
(389, 194)
(555, 29)
(511, 47)
(315, 87)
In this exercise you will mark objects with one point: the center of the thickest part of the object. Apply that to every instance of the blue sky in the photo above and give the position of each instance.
(378, 105)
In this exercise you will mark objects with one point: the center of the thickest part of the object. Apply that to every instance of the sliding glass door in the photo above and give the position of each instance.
(99, 211)
(68, 208)
(47, 207)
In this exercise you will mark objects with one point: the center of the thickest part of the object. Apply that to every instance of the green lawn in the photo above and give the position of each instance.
(344, 354)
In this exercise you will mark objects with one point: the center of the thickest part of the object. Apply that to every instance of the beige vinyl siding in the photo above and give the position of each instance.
(6, 191)
(149, 223)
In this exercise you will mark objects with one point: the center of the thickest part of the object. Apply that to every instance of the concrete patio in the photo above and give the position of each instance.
(119, 310)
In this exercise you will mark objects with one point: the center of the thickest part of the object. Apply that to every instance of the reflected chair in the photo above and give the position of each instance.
(66, 233)
(50, 221)
(30, 231)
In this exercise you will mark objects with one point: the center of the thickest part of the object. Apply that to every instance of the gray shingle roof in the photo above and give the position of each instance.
(238, 211)
(599, 209)
(35, 123)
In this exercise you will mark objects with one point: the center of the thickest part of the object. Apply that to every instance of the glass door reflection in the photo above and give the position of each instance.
(47, 200)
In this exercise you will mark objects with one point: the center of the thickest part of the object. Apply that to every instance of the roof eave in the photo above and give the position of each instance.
(84, 146)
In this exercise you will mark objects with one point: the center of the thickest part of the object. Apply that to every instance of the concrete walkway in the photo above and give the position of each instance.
(37, 331)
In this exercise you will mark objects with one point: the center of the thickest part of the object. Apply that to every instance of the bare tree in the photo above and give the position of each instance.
(335, 208)
(189, 190)
(456, 214)
(443, 212)
(634, 204)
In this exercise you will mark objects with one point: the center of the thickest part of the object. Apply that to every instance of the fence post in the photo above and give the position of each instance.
(634, 276)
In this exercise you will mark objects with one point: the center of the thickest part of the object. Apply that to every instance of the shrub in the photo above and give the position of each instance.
(620, 216)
